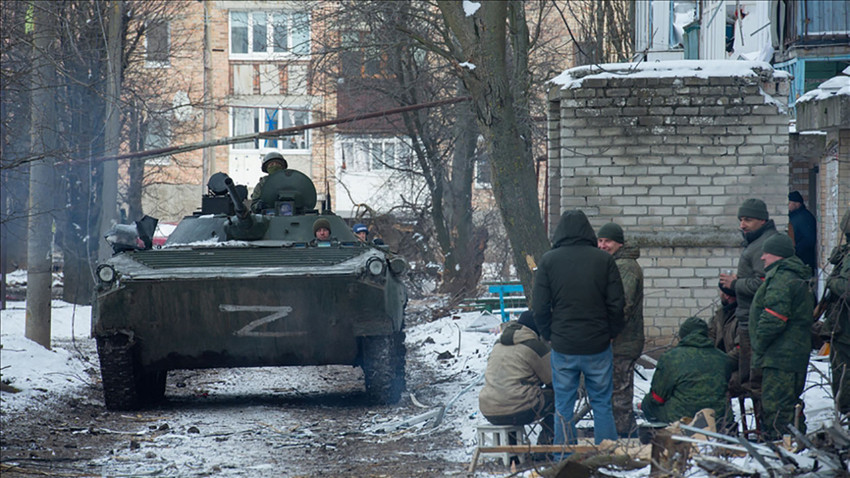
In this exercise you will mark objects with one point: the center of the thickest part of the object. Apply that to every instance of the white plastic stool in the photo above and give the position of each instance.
(501, 435)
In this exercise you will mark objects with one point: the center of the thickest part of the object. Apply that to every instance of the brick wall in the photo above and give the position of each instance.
(671, 159)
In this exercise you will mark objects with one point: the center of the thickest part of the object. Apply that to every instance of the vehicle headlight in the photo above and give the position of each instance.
(375, 266)
(398, 265)
(106, 273)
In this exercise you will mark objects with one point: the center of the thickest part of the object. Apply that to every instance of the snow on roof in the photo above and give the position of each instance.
(573, 77)
(835, 86)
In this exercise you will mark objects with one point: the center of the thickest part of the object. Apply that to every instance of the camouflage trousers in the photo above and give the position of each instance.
(623, 397)
(780, 396)
(839, 358)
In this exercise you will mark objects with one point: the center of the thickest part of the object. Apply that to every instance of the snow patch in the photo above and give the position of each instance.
(574, 77)
(469, 8)
(467, 64)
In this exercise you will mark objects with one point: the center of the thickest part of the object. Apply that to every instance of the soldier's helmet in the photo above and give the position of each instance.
(274, 155)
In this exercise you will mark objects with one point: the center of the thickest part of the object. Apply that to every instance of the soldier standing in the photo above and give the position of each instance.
(756, 227)
(780, 331)
(836, 327)
(629, 344)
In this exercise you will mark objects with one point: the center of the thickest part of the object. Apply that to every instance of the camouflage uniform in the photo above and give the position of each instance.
(690, 377)
(780, 330)
(629, 344)
(750, 275)
(837, 323)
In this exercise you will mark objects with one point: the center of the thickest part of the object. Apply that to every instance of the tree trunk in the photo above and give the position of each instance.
(465, 252)
(112, 130)
(40, 237)
(482, 40)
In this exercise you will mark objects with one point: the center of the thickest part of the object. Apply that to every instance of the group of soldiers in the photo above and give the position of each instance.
(757, 345)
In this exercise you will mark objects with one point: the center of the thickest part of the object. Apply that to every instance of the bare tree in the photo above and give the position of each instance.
(379, 64)
(490, 48)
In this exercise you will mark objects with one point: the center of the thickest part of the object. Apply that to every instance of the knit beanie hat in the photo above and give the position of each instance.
(612, 231)
(795, 196)
(691, 325)
(320, 223)
(779, 245)
(754, 208)
(527, 319)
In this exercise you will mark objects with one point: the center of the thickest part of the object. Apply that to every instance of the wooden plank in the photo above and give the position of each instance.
(518, 449)
(538, 448)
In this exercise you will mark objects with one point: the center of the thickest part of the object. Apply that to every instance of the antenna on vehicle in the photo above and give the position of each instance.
(326, 203)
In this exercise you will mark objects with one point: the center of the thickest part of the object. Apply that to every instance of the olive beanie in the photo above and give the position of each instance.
(779, 245)
(754, 208)
(612, 231)
(320, 223)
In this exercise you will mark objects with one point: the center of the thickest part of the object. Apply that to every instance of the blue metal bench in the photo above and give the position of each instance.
(505, 290)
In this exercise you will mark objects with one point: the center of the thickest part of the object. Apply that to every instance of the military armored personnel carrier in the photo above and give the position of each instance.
(232, 288)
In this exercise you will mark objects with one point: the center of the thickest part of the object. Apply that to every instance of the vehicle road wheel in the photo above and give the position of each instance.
(383, 367)
(126, 386)
(118, 372)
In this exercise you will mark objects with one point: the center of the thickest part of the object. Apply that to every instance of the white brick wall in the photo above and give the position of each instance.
(671, 160)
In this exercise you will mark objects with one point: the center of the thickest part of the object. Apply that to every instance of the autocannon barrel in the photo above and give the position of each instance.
(238, 205)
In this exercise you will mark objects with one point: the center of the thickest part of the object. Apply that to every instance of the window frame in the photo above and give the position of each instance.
(149, 63)
(365, 144)
(260, 123)
(292, 49)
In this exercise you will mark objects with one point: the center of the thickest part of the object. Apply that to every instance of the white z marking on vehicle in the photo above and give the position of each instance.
(279, 312)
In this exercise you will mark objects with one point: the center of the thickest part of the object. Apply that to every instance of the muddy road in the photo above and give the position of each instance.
(293, 422)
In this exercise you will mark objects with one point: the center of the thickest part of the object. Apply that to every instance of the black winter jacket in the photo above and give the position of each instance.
(578, 295)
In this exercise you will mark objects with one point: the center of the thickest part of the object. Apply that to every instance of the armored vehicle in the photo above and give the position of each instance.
(235, 288)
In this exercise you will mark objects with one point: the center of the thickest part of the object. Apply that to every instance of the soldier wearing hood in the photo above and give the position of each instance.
(689, 377)
(780, 331)
(578, 305)
(517, 369)
(628, 346)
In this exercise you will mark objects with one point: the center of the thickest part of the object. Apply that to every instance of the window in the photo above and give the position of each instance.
(158, 135)
(263, 34)
(366, 153)
(256, 120)
(157, 44)
(482, 170)
(362, 58)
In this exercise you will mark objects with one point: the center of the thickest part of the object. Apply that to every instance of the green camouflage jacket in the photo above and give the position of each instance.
(630, 341)
(781, 317)
(837, 322)
(691, 376)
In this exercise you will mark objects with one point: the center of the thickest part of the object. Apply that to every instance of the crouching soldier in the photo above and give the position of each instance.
(517, 369)
(691, 376)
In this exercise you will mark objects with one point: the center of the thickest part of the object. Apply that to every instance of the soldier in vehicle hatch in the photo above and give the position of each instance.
(272, 163)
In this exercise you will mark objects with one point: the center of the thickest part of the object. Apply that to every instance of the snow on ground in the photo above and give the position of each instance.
(462, 342)
(40, 373)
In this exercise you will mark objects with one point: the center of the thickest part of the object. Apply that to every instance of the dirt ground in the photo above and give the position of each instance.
(306, 421)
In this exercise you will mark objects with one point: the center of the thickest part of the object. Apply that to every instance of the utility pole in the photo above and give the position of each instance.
(112, 130)
(43, 134)
(209, 111)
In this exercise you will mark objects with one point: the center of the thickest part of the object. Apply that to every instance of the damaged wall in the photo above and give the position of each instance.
(669, 154)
